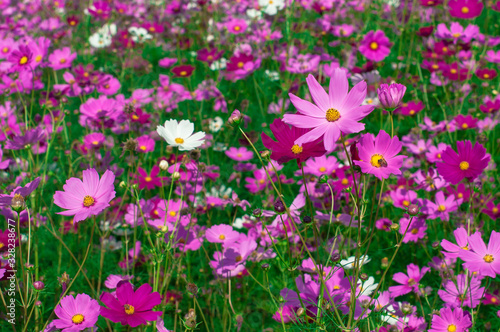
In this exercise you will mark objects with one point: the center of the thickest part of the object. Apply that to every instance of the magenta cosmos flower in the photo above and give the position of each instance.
(285, 148)
(449, 319)
(90, 197)
(379, 155)
(409, 283)
(390, 96)
(465, 8)
(375, 46)
(129, 307)
(76, 314)
(332, 113)
(468, 163)
(485, 260)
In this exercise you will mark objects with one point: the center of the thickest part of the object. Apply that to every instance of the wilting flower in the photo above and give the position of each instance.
(76, 314)
(390, 96)
(332, 113)
(90, 197)
(379, 155)
(180, 134)
(129, 307)
(468, 163)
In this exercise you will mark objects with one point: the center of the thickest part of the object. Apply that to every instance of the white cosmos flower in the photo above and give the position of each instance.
(254, 13)
(139, 35)
(98, 40)
(348, 263)
(180, 134)
(367, 287)
(215, 124)
(108, 29)
(271, 7)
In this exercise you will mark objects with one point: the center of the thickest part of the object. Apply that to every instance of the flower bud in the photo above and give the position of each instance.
(257, 213)
(264, 154)
(395, 227)
(279, 207)
(390, 96)
(323, 179)
(18, 203)
(163, 165)
(307, 219)
(192, 288)
(176, 175)
(265, 266)
(123, 184)
(39, 285)
(300, 312)
(413, 209)
(335, 257)
(363, 276)
(235, 118)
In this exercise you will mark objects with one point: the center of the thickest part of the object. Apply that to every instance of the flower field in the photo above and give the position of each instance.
(249, 165)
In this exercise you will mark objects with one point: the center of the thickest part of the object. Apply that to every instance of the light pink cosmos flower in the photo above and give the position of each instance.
(485, 260)
(90, 197)
(239, 154)
(222, 234)
(60, 59)
(408, 282)
(379, 155)
(375, 46)
(452, 249)
(332, 113)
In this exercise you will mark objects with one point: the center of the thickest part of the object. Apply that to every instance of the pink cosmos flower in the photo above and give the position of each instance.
(285, 149)
(76, 314)
(402, 198)
(94, 141)
(465, 122)
(221, 234)
(324, 165)
(416, 230)
(442, 206)
(129, 307)
(461, 238)
(167, 62)
(90, 197)
(333, 113)
(434, 153)
(409, 283)
(468, 163)
(236, 26)
(375, 46)
(492, 210)
(379, 155)
(60, 59)
(465, 8)
(410, 108)
(390, 96)
(485, 260)
(460, 293)
(149, 181)
(239, 154)
(145, 144)
(451, 320)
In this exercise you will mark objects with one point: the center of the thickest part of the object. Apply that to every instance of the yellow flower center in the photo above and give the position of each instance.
(494, 210)
(411, 281)
(148, 179)
(373, 45)
(222, 237)
(406, 203)
(438, 155)
(23, 60)
(95, 142)
(465, 10)
(77, 319)
(129, 310)
(486, 75)
(238, 258)
(237, 28)
(38, 58)
(456, 35)
(5, 49)
(488, 258)
(412, 112)
(344, 182)
(377, 160)
(88, 201)
(464, 166)
(62, 61)
(453, 71)
(240, 64)
(322, 169)
(179, 140)
(172, 213)
(465, 126)
(296, 149)
(332, 115)
(451, 328)
(143, 148)
(460, 195)
(183, 73)
(135, 117)
(441, 208)
(414, 231)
